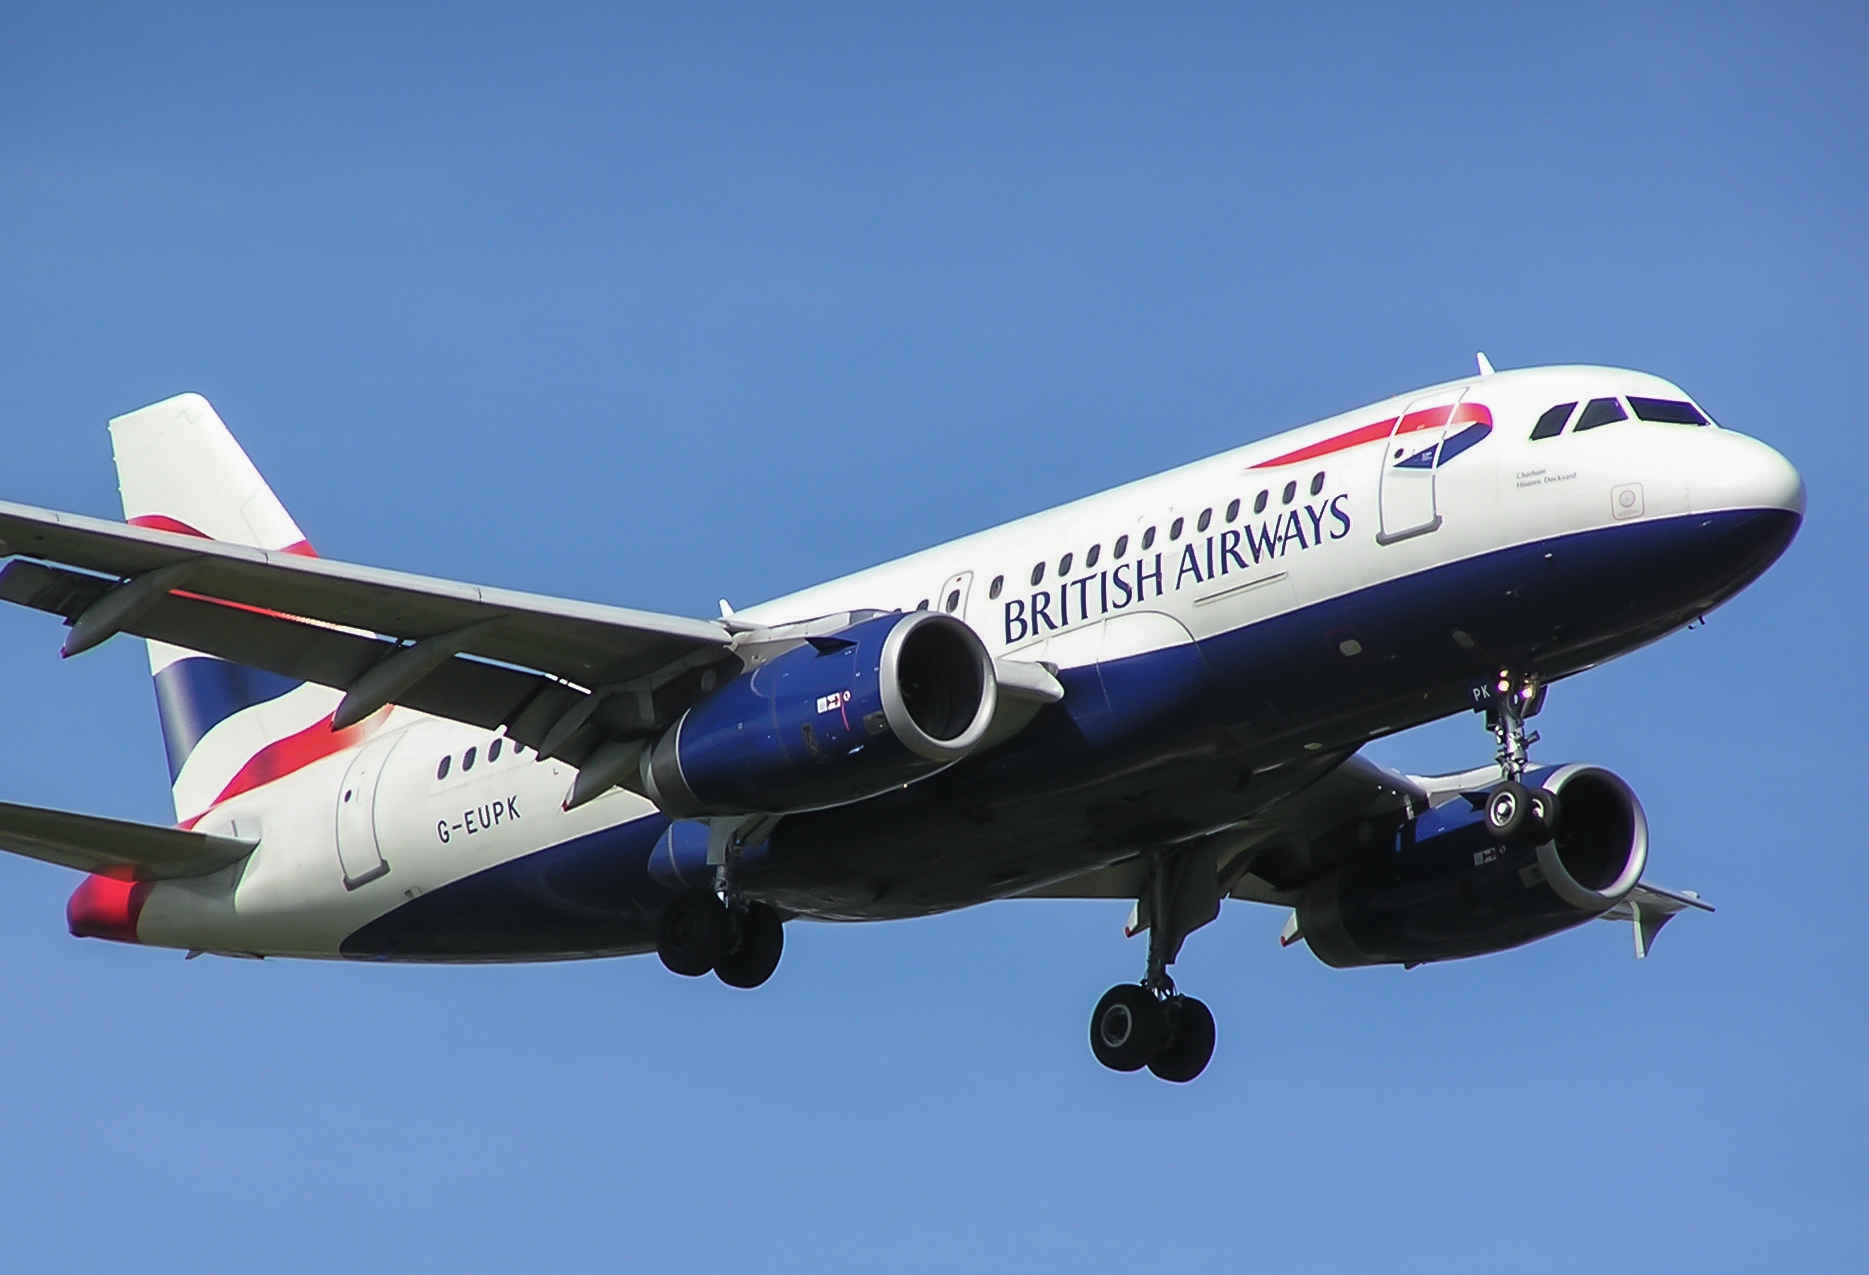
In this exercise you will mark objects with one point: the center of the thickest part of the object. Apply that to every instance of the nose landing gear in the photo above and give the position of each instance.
(1516, 813)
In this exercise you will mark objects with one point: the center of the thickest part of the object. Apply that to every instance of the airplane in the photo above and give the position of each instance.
(1154, 694)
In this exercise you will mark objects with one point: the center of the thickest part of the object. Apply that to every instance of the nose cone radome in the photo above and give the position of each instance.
(1733, 472)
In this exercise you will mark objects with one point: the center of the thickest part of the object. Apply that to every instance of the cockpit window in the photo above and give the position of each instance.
(1600, 411)
(1666, 411)
(1551, 424)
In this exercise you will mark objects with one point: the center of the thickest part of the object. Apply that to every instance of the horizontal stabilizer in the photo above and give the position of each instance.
(115, 847)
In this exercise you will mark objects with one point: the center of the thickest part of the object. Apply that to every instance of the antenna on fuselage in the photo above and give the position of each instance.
(1486, 364)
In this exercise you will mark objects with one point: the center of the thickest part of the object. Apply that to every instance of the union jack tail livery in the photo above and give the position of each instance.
(226, 728)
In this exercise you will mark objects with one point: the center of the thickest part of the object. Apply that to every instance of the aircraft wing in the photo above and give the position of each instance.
(1268, 856)
(1301, 834)
(115, 847)
(554, 672)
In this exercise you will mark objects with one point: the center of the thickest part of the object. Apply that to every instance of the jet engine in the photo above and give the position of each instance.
(833, 719)
(1441, 887)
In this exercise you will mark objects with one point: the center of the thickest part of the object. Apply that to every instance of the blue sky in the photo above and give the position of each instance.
(657, 305)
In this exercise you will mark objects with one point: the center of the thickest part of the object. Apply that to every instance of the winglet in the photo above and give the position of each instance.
(1486, 365)
(1650, 907)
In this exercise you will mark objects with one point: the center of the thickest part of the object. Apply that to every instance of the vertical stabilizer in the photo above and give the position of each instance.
(227, 729)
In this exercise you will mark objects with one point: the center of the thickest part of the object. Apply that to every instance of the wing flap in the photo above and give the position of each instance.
(115, 847)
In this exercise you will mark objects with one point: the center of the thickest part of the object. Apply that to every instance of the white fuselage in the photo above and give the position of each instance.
(1207, 549)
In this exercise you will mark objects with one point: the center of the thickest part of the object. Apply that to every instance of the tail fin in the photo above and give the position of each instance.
(226, 728)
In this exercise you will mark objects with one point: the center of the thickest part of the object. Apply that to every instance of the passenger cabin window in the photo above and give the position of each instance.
(1551, 424)
(1317, 482)
(999, 582)
(1600, 411)
(953, 601)
(1258, 503)
(1122, 547)
(1064, 565)
(1291, 494)
(1207, 517)
(1666, 411)
(493, 749)
(922, 605)
(1038, 573)
(1174, 528)
(1233, 510)
(441, 771)
(467, 762)
(1090, 559)
(1148, 537)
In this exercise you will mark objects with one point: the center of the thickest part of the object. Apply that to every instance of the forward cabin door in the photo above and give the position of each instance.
(359, 853)
(1409, 466)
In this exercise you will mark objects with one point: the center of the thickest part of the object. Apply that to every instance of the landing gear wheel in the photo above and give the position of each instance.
(1127, 1027)
(1190, 1043)
(694, 933)
(1547, 818)
(756, 956)
(1508, 808)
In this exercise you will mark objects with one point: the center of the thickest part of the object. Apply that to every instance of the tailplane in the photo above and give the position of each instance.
(226, 728)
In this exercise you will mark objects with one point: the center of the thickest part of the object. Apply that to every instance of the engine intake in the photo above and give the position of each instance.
(1441, 888)
(832, 720)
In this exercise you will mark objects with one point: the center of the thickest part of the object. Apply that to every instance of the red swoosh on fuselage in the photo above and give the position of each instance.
(1426, 418)
(283, 757)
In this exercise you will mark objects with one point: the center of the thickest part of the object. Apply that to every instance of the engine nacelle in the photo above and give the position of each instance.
(1441, 888)
(833, 720)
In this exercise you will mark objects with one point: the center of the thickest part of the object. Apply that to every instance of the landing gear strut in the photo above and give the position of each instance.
(1150, 1024)
(1514, 699)
(1515, 813)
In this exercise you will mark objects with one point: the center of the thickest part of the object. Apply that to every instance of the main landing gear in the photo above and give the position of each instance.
(1150, 1024)
(1515, 813)
(719, 929)
(1133, 1028)
(698, 933)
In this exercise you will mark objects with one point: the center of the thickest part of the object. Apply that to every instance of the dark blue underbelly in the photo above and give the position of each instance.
(1140, 750)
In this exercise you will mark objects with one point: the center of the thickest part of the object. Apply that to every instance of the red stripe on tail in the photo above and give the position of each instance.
(162, 522)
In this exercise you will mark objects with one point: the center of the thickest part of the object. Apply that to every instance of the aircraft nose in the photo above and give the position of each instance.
(1737, 472)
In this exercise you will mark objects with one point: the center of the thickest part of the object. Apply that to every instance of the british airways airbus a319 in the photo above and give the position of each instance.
(1155, 694)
